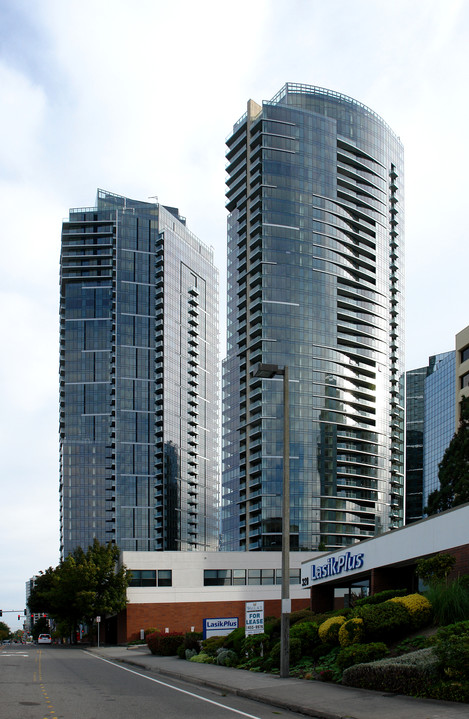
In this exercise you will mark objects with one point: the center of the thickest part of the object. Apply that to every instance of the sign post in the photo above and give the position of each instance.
(98, 621)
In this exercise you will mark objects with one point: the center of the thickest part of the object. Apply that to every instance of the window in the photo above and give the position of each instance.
(143, 578)
(239, 576)
(295, 576)
(465, 380)
(148, 578)
(165, 577)
(465, 354)
(217, 577)
(261, 576)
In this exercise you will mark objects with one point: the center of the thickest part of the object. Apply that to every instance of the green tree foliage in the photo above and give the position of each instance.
(435, 569)
(453, 471)
(4, 631)
(83, 586)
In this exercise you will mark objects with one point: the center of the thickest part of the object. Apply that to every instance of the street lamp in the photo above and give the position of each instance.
(267, 371)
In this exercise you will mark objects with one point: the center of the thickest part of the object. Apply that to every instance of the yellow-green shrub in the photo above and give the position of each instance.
(418, 606)
(351, 632)
(329, 630)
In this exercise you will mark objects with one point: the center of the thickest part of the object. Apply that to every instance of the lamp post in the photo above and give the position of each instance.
(267, 371)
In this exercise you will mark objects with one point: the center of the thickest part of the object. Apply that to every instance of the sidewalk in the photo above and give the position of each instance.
(317, 699)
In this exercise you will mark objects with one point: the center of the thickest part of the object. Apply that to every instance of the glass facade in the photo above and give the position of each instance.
(439, 417)
(139, 380)
(315, 282)
(415, 391)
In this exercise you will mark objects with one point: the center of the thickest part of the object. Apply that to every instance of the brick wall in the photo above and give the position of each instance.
(181, 617)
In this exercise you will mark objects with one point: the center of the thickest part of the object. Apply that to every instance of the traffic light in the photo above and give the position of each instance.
(1, 613)
(19, 617)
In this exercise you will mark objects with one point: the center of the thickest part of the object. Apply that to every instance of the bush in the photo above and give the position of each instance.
(360, 654)
(150, 630)
(202, 658)
(408, 674)
(448, 691)
(227, 658)
(419, 608)
(329, 630)
(451, 646)
(301, 615)
(380, 597)
(255, 646)
(233, 640)
(351, 632)
(295, 653)
(165, 645)
(211, 645)
(450, 602)
(307, 633)
(383, 621)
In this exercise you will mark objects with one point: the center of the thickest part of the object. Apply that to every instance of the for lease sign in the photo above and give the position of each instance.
(254, 618)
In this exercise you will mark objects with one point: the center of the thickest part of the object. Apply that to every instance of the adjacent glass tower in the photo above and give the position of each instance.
(138, 380)
(315, 282)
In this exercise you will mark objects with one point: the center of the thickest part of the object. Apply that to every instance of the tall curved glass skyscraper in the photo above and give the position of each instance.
(315, 282)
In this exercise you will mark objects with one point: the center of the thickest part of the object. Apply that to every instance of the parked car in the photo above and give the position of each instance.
(44, 639)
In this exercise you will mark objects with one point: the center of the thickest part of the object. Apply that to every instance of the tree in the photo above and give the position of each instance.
(83, 586)
(4, 631)
(453, 471)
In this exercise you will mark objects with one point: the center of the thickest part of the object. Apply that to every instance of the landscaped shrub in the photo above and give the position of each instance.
(452, 691)
(202, 658)
(384, 621)
(301, 615)
(192, 642)
(451, 646)
(351, 632)
(295, 653)
(307, 633)
(165, 645)
(227, 658)
(403, 675)
(233, 640)
(329, 630)
(450, 602)
(419, 608)
(380, 597)
(211, 645)
(149, 630)
(361, 653)
(255, 646)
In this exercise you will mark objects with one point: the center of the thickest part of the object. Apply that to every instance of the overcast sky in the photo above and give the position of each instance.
(137, 97)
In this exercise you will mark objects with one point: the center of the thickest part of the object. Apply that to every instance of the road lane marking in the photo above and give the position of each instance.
(176, 689)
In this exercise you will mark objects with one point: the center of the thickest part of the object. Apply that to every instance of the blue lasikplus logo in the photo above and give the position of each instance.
(336, 565)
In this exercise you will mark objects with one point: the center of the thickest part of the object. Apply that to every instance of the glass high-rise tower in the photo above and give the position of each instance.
(315, 282)
(138, 380)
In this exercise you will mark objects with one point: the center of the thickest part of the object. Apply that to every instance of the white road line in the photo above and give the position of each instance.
(170, 686)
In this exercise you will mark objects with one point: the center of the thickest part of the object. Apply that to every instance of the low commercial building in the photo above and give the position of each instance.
(387, 561)
(176, 591)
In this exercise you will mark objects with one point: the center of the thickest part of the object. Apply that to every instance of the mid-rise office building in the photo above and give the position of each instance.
(138, 380)
(430, 417)
(439, 418)
(315, 283)
(462, 370)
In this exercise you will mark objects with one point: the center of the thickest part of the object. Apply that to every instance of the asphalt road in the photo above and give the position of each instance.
(67, 683)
